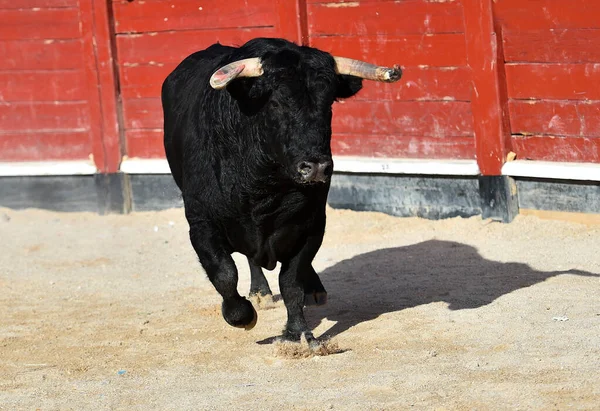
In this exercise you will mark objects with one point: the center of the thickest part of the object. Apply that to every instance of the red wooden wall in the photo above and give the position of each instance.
(51, 95)
(552, 54)
(481, 77)
(154, 36)
(428, 113)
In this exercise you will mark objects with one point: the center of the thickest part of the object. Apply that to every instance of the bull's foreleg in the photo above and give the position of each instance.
(294, 276)
(222, 273)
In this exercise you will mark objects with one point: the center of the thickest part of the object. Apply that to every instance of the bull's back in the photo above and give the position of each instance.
(181, 96)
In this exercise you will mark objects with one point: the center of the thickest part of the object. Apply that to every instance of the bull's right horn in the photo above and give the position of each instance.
(367, 71)
(241, 68)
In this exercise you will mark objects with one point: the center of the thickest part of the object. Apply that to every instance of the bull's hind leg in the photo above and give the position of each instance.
(292, 281)
(314, 292)
(222, 273)
(259, 287)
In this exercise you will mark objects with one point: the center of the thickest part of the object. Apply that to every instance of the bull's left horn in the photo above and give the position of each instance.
(241, 68)
(367, 71)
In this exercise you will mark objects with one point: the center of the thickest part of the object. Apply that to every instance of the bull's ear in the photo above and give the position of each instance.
(247, 88)
(348, 86)
(250, 94)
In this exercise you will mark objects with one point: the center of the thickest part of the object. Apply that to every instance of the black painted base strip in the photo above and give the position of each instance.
(101, 193)
(551, 195)
(431, 197)
(154, 192)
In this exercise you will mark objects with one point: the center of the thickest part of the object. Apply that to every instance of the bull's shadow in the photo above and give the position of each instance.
(368, 285)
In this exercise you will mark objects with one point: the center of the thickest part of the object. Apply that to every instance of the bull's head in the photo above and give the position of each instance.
(289, 92)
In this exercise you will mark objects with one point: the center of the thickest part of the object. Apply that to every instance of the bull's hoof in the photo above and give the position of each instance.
(263, 301)
(315, 298)
(305, 347)
(239, 312)
(289, 336)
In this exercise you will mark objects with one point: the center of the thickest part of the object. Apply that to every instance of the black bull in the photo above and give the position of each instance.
(247, 137)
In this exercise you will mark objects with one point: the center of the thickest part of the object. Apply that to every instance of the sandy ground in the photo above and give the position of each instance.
(114, 312)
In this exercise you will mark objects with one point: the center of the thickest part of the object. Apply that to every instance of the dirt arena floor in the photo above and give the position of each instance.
(114, 312)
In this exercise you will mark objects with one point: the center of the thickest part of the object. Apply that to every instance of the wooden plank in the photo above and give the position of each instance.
(440, 50)
(428, 137)
(489, 97)
(419, 119)
(422, 83)
(101, 85)
(559, 118)
(56, 85)
(553, 81)
(143, 81)
(44, 146)
(41, 55)
(151, 16)
(35, 117)
(371, 145)
(142, 113)
(37, 4)
(145, 143)
(552, 46)
(174, 46)
(61, 23)
(393, 18)
(348, 3)
(292, 20)
(547, 14)
(339, 3)
(550, 148)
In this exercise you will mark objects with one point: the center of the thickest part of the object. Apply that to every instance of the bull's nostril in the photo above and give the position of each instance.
(315, 172)
(305, 168)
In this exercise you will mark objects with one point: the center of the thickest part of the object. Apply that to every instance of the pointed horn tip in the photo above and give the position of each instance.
(392, 74)
(223, 76)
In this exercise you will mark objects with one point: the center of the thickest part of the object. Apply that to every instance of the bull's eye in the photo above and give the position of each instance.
(275, 104)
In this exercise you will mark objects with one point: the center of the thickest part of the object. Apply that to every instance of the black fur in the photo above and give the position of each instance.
(234, 153)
